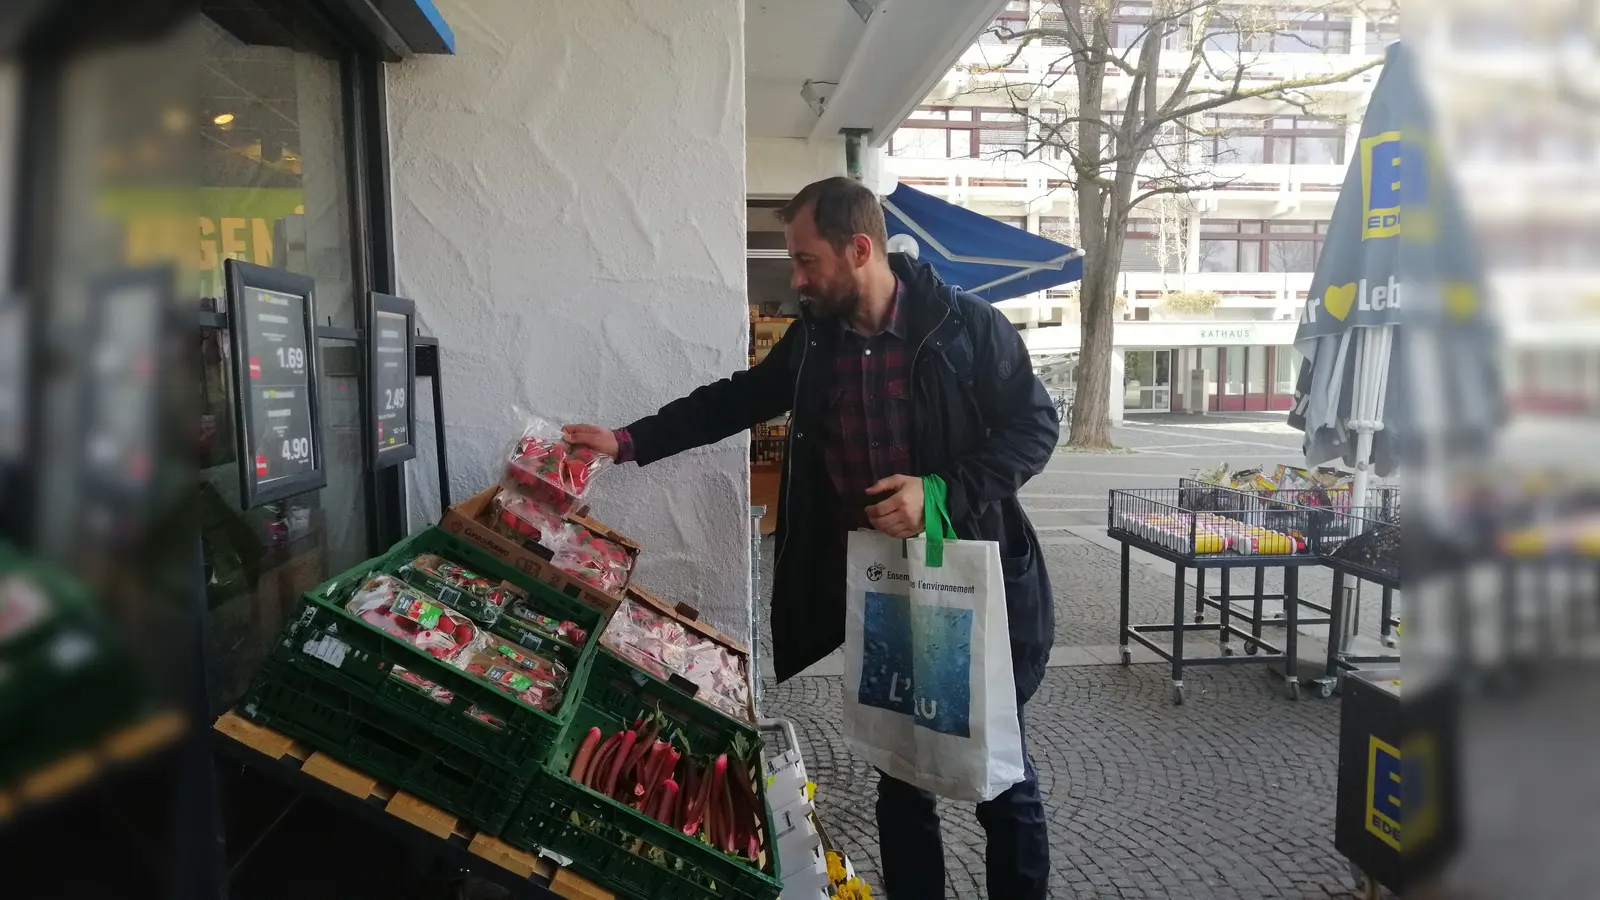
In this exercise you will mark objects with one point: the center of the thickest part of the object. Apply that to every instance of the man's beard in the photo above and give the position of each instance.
(834, 305)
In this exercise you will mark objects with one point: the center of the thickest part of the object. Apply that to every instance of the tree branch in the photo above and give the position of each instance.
(1271, 91)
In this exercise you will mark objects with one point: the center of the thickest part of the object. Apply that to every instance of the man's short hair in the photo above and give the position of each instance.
(841, 208)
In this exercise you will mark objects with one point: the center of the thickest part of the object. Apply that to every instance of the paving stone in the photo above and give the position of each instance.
(1139, 801)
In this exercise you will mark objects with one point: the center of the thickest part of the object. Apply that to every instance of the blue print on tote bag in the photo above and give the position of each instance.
(928, 676)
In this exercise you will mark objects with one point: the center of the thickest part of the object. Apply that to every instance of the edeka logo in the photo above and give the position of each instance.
(918, 662)
(1383, 792)
(1339, 299)
(1420, 797)
(1394, 174)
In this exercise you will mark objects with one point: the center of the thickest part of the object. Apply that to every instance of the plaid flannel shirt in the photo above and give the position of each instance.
(866, 431)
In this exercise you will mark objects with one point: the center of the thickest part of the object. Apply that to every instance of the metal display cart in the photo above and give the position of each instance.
(1341, 553)
(1196, 494)
(1238, 530)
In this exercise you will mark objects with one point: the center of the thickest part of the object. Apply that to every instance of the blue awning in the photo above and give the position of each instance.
(994, 260)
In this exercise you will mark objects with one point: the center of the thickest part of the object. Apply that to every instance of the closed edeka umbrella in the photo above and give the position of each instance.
(1396, 342)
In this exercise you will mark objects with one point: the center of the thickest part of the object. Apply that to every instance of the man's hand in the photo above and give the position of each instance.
(901, 515)
(601, 440)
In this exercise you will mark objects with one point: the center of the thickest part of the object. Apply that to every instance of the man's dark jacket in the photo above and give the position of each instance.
(981, 420)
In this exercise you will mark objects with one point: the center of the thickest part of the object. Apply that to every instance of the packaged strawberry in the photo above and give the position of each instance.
(541, 458)
(526, 514)
(480, 599)
(592, 559)
(403, 612)
(432, 689)
(513, 679)
(539, 668)
(532, 630)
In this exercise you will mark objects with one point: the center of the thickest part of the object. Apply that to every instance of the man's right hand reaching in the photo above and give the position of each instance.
(601, 440)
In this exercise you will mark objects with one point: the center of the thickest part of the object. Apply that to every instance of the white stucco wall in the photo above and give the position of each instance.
(569, 217)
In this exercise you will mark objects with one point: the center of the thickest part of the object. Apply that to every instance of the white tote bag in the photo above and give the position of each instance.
(929, 696)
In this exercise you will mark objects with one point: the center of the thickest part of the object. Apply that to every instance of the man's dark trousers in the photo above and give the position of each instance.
(913, 853)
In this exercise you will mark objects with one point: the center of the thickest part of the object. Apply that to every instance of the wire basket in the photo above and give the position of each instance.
(1207, 521)
(1365, 542)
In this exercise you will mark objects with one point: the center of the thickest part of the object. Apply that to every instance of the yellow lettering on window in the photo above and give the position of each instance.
(260, 242)
(233, 239)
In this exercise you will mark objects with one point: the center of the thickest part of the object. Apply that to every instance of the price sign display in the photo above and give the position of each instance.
(391, 346)
(272, 316)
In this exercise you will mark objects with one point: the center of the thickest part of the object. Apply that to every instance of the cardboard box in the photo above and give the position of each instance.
(688, 617)
(471, 520)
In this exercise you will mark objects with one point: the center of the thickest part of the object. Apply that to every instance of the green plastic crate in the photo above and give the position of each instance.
(364, 735)
(66, 680)
(624, 850)
(324, 641)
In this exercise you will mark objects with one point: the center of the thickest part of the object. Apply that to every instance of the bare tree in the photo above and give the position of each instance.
(1183, 59)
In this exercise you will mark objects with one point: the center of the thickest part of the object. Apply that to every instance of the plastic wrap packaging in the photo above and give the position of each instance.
(532, 629)
(478, 598)
(538, 667)
(436, 693)
(663, 647)
(586, 556)
(542, 462)
(518, 681)
(408, 614)
(527, 514)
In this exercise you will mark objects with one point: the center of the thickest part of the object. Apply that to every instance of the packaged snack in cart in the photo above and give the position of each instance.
(479, 598)
(532, 629)
(540, 459)
(526, 514)
(588, 557)
(402, 611)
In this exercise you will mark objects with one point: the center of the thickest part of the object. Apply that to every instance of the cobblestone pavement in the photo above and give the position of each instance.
(1229, 796)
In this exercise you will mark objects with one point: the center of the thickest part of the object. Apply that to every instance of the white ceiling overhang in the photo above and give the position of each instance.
(872, 72)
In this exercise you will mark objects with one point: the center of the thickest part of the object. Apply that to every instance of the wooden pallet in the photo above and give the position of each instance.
(65, 775)
(443, 825)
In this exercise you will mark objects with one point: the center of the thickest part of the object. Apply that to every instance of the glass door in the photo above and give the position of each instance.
(276, 189)
(1147, 381)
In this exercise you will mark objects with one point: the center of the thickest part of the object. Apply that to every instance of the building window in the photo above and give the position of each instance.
(1273, 140)
(1014, 221)
(1382, 33)
(942, 132)
(1230, 245)
(1012, 21)
(1130, 25)
(1000, 132)
(1234, 29)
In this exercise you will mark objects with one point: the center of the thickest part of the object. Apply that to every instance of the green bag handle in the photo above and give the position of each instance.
(936, 518)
